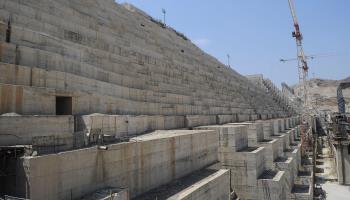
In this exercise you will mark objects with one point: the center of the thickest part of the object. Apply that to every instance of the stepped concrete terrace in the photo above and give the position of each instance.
(245, 163)
(90, 53)
(206, 184)
(249, 160)
(175, 153)
(99, 98)
(143, 163)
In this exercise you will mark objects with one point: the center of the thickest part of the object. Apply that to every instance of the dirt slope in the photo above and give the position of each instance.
(323, 93)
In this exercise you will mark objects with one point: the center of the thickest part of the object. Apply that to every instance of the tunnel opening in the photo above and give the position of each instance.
(63, 105)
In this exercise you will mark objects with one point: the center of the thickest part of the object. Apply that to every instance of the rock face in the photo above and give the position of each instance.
(323, 93)
(82, 57)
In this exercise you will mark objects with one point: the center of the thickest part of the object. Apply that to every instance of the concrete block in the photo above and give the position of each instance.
(223, 119)
(232, 138)
(281, 124)
(255, 132)
(292, 122)
(267, 128)
(3, 28)
(273, 150)
(271, 185)
(294, 152)
(264, 116)
(214, 187)
(26, 100)
(199, 120)
(276, 126)
(289, 123)
(304, 178)
(205, 185)
(302, 192)
(254, 117)
(143, 164)
(20, 130)
(342, 159)
(243, 117)
(246, 166)
(284, 140)
(292, 135)
(54, 144)
(126, 125)
(288, 165)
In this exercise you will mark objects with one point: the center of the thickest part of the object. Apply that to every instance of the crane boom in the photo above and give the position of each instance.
(309, 57)
(295, 19)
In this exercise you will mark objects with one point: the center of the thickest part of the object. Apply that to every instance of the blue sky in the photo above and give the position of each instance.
(257, 33)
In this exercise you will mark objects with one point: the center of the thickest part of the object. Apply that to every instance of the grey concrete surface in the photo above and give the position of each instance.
(205, 184)
(20, 130)
(144, 163)
(142, 76)
(74, 55)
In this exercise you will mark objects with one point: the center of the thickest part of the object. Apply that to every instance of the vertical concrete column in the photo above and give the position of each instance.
(343, 164)
(276, 126)
(297, 129)
(298, 120)
(287, 120)
(293, 122)
(267, 128)
(292, 136)
(282, 125)
(255, 132)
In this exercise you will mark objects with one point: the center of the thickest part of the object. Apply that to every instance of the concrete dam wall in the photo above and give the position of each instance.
(98, 100)
(102, 57)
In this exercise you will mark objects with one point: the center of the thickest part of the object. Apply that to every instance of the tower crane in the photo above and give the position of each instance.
(302, 60)
(306, 133)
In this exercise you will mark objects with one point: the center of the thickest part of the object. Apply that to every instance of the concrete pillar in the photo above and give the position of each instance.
(343, 162)
(267, 128)
(276, 126)
(282, 125)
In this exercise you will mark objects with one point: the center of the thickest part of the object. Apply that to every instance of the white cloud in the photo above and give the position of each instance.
(201, 42)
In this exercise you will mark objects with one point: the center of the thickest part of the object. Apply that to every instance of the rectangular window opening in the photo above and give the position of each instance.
(63, 105)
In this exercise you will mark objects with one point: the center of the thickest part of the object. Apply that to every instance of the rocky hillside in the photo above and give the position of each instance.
(323, 93)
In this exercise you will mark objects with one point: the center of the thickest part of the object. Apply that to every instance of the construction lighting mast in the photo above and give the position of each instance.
(302, 60)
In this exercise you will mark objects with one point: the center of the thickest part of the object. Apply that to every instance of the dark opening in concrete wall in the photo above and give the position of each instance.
(12, 177)
(63, 105)
(8, 32)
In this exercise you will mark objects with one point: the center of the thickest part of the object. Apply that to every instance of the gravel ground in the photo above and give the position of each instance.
(327, 176)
